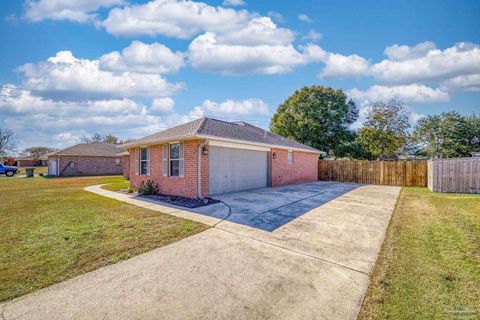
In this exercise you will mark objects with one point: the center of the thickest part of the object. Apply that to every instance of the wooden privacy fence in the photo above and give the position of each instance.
(460, 175)
(391, 173)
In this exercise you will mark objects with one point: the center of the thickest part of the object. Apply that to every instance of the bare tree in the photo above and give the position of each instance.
(7, 141)
(36, 152)
(96, 137)
(111, 138)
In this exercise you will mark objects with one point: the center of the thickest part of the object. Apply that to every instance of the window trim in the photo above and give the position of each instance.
(290, 157)
(180, 159)
(147, 161)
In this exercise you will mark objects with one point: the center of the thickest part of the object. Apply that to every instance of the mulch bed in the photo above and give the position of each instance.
(180, 201)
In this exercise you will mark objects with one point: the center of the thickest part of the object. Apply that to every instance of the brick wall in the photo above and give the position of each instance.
(184, 186)
(303, 169)
(126, 166)
(32, 163)
(89, 166)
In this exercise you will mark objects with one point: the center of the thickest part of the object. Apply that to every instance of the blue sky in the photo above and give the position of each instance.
(74, 67)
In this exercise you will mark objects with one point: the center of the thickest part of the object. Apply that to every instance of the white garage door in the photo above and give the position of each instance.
(232, 170)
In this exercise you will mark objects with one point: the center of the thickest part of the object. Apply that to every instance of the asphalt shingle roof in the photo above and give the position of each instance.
(239, 130)
(93, 149)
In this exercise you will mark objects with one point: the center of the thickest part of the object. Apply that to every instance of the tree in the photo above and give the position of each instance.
(96, 137)
(111, 139)
(351, 148)
(385, 131)
(36, 152)
(316, 116)
(448, 135)
(473, 132)
(7, 142)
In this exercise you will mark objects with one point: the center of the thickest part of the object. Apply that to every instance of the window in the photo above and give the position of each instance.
(144, 161)
(117, 162)
(176, 160)
(290, 157)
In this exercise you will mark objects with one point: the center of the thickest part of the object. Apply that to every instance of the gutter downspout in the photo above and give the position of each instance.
(199, 169)
(58, 166)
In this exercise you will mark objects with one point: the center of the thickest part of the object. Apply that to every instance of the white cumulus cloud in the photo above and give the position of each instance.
(66, 76)
(162, 105)
(403, 52)
(312, 35)
(206, 53)
(174, 18)
(236, 107)
(413, 93)
(73, 10)
(142, 57)
(259, 31)
(469, 82)
(303, 17)
(233, 3)
(338, 66)
(428, 64)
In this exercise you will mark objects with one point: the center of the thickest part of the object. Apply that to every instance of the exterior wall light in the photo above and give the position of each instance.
(204, 150)
(274, 155)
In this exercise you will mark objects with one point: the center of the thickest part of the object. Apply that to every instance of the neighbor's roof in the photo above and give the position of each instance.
(44, 157)
(207, 128)
(93, 149)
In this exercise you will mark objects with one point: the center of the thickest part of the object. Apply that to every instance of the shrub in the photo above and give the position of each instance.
(148, 188)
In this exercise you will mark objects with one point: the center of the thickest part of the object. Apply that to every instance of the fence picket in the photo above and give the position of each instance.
(393, 173)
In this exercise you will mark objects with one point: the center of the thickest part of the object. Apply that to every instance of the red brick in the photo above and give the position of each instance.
(88, 166)
(303, 169)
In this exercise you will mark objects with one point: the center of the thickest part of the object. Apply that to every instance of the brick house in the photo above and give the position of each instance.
(86, 159)
(31, 162)
(209, 157)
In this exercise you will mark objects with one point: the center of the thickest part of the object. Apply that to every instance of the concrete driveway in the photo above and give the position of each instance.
(270, 208)
(315, 266)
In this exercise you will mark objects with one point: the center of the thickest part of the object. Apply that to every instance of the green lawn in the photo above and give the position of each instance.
(121, 185)
(429, 266)
(52, 230)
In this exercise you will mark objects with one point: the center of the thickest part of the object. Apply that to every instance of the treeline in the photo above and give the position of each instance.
(322, 118)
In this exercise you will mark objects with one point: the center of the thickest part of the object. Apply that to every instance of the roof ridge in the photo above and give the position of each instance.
(65, 149)
(201, 125)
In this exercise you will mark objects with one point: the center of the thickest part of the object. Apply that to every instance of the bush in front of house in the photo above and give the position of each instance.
(148, 188)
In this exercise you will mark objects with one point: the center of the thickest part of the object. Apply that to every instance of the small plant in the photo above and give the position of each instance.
(130, 190)
(148, 188)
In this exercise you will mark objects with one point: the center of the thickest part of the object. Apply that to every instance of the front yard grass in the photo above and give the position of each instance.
(429, 265)
(117, 186)
(52, 230)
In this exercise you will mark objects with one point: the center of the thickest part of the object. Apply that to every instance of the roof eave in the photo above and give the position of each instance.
(203, 136)
(126, 146)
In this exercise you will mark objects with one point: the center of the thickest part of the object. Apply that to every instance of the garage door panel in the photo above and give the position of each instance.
(236, 169)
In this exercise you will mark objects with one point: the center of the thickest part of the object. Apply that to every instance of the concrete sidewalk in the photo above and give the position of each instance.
(314, 267)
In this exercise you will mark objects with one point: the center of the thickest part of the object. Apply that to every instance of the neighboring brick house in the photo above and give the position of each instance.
(30, 162)
(86, 159)
(208, 157)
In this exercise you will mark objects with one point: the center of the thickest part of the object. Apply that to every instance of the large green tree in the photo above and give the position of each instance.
(385, 131)
(316, 116)
(448, 135)
(352, 148)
